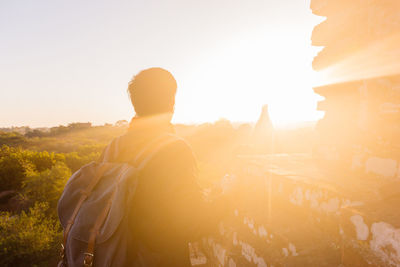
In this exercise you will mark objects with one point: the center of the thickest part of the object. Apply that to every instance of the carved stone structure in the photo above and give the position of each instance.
(361, 64)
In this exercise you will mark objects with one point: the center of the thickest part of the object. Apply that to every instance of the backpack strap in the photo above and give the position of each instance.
(84, 195)
(144, 156)
(111, 151)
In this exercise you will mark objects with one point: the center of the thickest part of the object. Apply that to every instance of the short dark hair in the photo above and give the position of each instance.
(152, 91)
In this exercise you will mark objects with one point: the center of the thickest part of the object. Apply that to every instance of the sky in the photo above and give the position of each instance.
(71, 61)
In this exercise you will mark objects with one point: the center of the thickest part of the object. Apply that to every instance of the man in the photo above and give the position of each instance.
(167, 208)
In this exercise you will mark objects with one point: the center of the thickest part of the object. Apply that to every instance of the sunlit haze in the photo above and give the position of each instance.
(378, 64)
(69, 61)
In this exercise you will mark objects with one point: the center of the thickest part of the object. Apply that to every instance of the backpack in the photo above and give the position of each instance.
(92, 209)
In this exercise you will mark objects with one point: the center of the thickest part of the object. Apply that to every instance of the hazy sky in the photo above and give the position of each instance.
(70, 61)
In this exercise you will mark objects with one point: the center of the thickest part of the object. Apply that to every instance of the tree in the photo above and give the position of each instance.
(11, 138)
(46, 186)
(28, 238)
(13, 168)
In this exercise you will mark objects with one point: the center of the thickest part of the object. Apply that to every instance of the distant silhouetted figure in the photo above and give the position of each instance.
(263, 133)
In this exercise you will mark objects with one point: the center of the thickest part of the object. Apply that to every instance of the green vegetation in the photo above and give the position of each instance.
(28, 238)
(33, 171)
(35, 166)
(46, 186)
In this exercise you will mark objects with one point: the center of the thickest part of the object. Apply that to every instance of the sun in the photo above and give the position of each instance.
(235, 82)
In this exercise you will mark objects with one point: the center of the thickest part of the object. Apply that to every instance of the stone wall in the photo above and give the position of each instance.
(289, 213)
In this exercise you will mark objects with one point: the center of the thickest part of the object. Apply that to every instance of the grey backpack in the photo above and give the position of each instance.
(92, 209)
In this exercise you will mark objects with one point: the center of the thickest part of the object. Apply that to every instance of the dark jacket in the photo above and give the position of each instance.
(168, 203)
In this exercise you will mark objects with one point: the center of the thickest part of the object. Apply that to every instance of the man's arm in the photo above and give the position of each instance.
(194, 216)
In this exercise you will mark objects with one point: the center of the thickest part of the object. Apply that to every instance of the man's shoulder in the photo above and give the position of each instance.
(168, 147)
(177, 153)
(176, 160)
(178, 146)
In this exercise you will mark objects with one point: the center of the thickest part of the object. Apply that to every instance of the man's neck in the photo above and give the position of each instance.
(158, 122)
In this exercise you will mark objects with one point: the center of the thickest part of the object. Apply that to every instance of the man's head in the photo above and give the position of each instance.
(152, 92)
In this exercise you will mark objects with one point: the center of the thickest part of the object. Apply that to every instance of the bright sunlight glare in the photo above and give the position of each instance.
(248, 73)
(381, 62)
